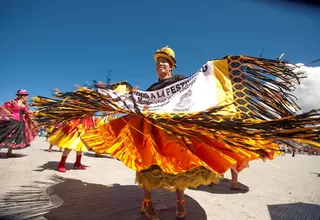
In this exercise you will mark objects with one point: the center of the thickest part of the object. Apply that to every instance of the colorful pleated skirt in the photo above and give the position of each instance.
(161, 159)
(69, 135)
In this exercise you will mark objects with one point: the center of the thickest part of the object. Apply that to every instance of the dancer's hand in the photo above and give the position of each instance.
(6, 118)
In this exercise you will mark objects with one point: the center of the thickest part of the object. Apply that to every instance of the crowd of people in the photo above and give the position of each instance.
(161, 157)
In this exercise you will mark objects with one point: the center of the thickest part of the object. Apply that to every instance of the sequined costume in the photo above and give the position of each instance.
(188, 131)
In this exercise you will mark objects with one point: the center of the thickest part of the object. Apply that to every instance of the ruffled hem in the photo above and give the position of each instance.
(155, 178)
(14, 146)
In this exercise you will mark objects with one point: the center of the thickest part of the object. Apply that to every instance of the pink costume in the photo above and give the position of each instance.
(17, 129)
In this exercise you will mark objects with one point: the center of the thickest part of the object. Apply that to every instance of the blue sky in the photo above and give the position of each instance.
(56, 44)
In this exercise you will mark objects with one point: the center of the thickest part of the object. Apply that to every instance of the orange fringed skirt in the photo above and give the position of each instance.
(68, 136)
(161, 159)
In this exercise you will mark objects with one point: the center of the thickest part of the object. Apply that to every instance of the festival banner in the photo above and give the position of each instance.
(192, 94)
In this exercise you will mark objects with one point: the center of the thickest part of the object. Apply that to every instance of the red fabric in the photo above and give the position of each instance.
(78, 160)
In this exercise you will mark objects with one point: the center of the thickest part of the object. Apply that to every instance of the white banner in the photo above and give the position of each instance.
(192, 94)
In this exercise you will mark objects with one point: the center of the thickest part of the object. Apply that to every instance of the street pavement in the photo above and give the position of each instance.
(31, 188)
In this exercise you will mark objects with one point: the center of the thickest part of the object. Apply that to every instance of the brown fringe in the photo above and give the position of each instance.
(257, 83)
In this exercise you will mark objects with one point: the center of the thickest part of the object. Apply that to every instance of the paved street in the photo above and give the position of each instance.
(286, 188)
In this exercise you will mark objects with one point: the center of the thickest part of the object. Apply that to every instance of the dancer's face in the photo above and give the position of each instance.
(25, 98)
(163, 68)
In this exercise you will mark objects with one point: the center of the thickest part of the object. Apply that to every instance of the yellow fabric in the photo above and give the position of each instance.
(223, 85)
(121, 88)
(51, 128)
(69, 135)
(103, 120)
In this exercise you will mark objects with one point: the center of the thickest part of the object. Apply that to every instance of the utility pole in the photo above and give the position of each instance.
(108, 77)
(104, 113)
(262, 52)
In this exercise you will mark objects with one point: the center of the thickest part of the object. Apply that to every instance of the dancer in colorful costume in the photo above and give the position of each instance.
(168, 162)
(68, 137)
(186, 132)
(17, 129)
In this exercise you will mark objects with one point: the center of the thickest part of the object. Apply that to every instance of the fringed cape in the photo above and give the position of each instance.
(241, 99)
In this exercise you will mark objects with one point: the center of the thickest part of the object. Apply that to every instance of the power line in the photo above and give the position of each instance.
(312, 62)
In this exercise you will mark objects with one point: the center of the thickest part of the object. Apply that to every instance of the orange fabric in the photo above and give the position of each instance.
(139, 145)
(241, 157)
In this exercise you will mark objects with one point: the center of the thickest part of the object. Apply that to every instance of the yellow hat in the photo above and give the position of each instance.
(167, 53)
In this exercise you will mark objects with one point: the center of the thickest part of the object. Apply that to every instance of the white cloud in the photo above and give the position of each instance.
(308, 92)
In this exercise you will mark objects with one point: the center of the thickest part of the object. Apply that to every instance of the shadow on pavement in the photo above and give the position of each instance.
(3, 156)
(97, 156)
(52, 150)
(294, 211)
(317, 174)
(53, 165)
(222, 188)
(74, 199)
